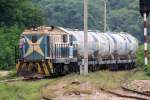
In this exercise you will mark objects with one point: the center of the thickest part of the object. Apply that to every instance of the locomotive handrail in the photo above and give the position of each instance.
(62, 50)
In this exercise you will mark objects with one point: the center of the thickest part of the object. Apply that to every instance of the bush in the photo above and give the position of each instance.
(140, 60)
(9, 37)
(147, 71)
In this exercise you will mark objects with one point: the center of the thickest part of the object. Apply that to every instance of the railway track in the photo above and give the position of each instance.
(19, 79)
(12, 80)
(125, 92)
(124, 84)
(134, 91)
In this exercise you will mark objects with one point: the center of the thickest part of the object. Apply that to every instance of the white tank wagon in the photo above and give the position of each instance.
(125, 44)
(78, 38)
(106, 45)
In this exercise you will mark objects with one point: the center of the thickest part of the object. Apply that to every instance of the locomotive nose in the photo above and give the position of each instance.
(34, 47)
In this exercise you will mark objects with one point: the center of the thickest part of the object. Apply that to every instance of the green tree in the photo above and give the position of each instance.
(9, 39)
(21, 12)
(15, 16)
(122, 15)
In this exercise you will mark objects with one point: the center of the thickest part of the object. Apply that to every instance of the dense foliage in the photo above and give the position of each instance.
(140, 60)
(122, 15)
(20, 12)
(15, 15)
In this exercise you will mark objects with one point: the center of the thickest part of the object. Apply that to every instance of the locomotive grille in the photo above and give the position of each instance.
(62, 50)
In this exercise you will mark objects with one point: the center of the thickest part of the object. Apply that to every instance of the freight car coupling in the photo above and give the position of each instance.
(54, 51)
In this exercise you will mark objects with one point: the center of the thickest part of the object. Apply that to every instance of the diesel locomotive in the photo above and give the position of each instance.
(48, 51)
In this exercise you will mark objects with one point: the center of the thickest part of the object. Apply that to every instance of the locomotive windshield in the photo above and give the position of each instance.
(34, 39)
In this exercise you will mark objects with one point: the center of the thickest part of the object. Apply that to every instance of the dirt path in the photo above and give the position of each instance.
(4, 73)
(82, 91)
(140, 85)
(99, 95)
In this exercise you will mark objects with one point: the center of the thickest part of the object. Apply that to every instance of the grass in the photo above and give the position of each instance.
(140, 75)
(140, 57)
(100, 79)
(140, 60)
(31, 90)
(22, 90)
(104, 79)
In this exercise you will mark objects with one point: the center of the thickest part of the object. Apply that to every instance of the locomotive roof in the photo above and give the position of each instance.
(58, 30)
(39, 30)
(46, 30)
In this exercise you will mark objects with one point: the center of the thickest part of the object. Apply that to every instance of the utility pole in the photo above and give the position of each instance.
(85, 37)
(144, 10)
(105, 15)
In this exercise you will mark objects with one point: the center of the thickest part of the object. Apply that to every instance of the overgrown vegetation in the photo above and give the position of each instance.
(29, 90)
(15, 16)
(140, 60)
(33, 90)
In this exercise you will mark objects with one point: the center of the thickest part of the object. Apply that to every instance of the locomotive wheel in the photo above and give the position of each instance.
(126, 66)
(114, 67)
(92, 68)
(129, 66)
(66, 69)
(70, 68)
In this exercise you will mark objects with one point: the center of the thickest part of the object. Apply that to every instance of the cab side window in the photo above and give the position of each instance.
(64, 38)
